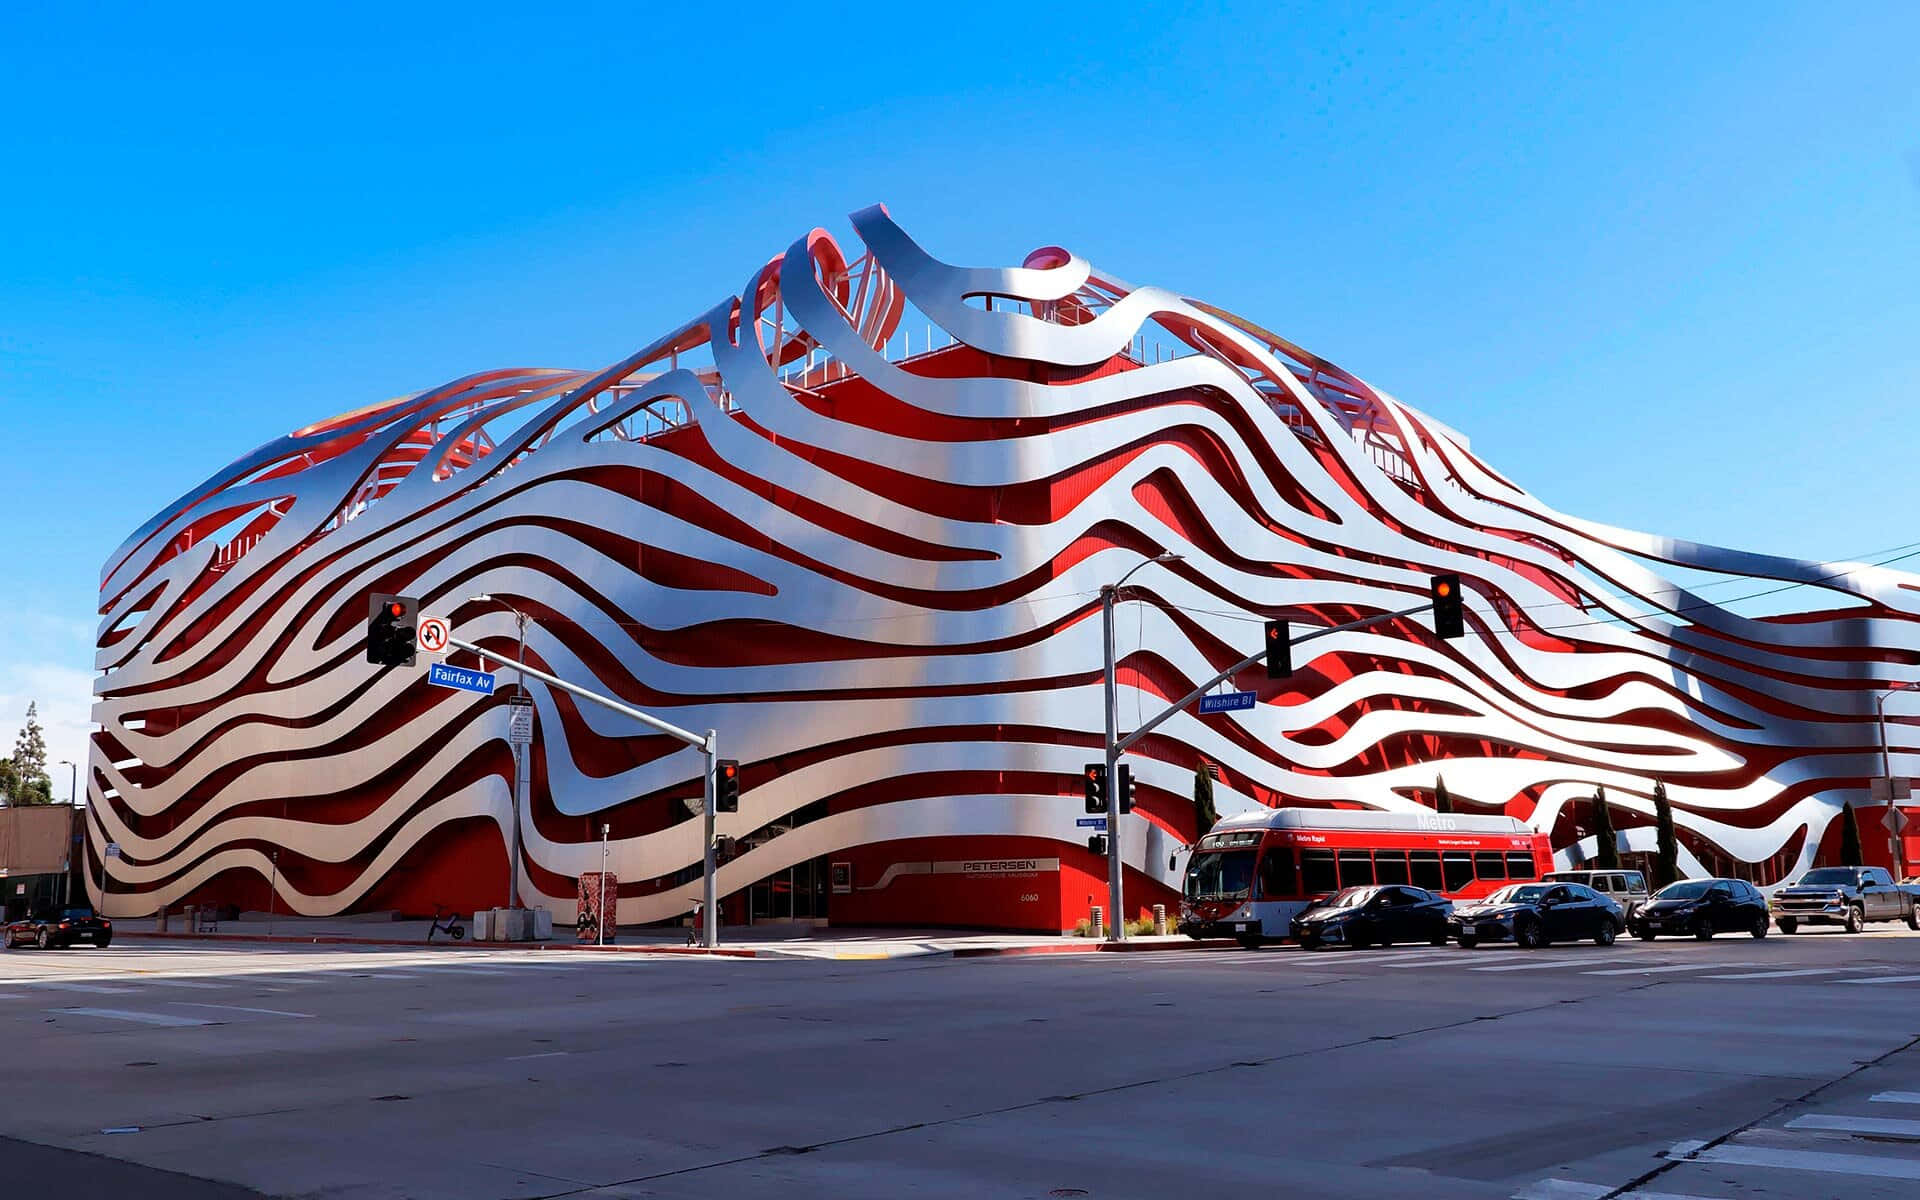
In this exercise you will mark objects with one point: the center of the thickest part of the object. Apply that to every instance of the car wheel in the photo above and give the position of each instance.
(1645, 935)
(1309, 943)
(1359, 940)
(1789, 924)
(1703, 929)
(1759, 929)
(1606, 933)
(1853, 918)
(1529, 935)
(105, 941)
(1438, 939)
(44, 941)
(1468, 941)
(1913, 918)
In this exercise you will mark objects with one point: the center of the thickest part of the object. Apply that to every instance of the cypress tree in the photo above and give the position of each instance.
(1608, 858)
(1849, 838)
(1666, 860)
(1204, 814)
(1442, 802)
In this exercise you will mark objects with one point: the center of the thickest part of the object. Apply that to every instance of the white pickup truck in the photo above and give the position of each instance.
(1847, 896)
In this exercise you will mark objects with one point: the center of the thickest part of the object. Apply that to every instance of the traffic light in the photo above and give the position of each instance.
(1279, 650)
(390, 625)
(1095, 779)
(726, 785)
(1123, 787)
(1447, 621)
(1097, 844)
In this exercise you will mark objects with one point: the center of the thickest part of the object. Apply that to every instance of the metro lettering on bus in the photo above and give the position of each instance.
(1253, 872)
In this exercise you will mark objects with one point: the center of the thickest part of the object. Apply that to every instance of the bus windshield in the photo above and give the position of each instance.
(1220, 875)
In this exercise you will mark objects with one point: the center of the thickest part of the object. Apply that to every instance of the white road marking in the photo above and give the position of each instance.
(102, 989)
(1884, 979)
(547, 1054)
(143, 1018)
(1812, 1160)
(1879, 1126)
(1784, 974)
(439, 970)
(1662, 970)
(271, 1012)
(1539, 966)
(1448, 961)
(187, 983)
(1896, 1097)
(13, 995)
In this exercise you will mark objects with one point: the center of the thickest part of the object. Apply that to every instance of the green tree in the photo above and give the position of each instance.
(31, 784)
(1204, 814)
(1666, 858)
(1605, 839)
(1849, 838)
(1442, 802)
(9, 781)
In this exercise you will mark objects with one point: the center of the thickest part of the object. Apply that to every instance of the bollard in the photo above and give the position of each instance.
(1099, 922)
(1159, 920)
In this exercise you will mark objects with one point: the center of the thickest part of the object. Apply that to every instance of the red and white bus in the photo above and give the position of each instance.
(1253, 872)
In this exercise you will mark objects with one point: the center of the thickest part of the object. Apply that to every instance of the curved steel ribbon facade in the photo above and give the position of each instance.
(874, 569)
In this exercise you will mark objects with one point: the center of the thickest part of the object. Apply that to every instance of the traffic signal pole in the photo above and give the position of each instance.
(708, 745)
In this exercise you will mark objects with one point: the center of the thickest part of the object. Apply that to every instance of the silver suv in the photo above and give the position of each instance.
(1628, 889)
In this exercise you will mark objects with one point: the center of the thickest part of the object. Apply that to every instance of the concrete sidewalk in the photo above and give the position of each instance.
(764, 941)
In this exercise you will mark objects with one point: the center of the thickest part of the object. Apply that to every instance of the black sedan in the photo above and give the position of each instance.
(1533, 915)
(1374, 916)
(60, 929)
(1702, 907)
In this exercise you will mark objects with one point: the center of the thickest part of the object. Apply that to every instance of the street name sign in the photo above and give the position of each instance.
(432, 634)
(1092, 822)
(1226, 702)
(461, 679)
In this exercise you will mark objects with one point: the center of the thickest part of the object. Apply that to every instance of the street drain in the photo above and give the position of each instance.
(143, 1064)
(1062, 1193)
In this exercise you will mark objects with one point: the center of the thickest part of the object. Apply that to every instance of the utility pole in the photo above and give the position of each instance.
(1116, 861)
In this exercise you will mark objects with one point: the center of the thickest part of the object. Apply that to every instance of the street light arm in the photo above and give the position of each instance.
(1167, 557)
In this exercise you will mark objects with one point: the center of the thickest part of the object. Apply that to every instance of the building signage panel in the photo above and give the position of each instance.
(461, 679)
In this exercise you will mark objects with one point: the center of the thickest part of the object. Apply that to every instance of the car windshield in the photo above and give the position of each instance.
(1220, 875)
(1347, 898)
(1686, 889)
(1831, 875)
(1518, 893)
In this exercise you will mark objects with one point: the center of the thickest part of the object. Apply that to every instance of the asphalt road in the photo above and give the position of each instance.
(1777, 1068)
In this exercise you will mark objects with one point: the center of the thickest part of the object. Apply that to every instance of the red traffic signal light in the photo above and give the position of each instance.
(1448, 620)
(390, 630)
(726, 785)
(1095, 780)
(1279, 650)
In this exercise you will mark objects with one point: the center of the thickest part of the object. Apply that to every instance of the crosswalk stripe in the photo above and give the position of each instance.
(1896, 1097)
(271, 1012)
(1812, 1160)
(100, 988)
(1449, 961)
(1884, 979)
(142, 1018)
(1879, 1126)
(1539, 966)
(187, 983)
(1784, 974)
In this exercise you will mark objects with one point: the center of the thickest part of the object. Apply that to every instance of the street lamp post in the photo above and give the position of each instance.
(521, 761)
(1886, 772)
(73, 780)
(1116, 862)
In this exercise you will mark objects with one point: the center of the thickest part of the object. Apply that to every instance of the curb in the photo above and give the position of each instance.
(696, 951)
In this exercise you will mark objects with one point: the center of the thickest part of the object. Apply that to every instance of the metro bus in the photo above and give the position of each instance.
(1253, 872)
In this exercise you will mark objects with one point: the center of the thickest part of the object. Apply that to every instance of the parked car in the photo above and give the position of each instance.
(58, 929)
(1537, 914)
(1846, 896)
(1374, 916)
(1702, 907)
(1628, 889)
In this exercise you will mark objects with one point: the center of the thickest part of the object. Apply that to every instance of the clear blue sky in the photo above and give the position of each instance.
(1661, 269)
